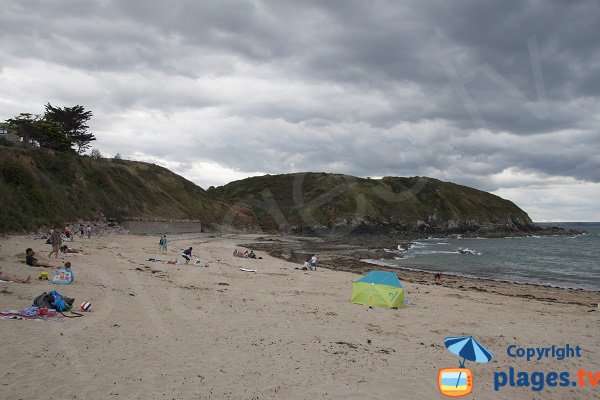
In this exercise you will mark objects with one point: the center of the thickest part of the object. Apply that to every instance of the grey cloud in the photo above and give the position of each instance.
(368, 77)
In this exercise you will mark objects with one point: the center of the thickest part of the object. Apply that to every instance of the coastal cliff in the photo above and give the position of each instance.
(321, 203)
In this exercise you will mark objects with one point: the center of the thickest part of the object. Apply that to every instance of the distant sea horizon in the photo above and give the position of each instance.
(567, 261)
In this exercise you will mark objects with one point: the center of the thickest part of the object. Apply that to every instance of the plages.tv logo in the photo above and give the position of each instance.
(458, 382)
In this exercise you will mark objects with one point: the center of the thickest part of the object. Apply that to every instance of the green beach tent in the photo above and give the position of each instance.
(379, 288)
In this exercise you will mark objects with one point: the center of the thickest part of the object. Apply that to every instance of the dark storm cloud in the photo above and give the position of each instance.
(460, 90)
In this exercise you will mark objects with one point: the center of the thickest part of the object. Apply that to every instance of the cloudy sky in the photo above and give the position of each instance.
(499, 95)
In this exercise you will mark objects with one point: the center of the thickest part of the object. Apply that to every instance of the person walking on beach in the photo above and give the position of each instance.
(55, 241)
(187, 254)
(163, 244)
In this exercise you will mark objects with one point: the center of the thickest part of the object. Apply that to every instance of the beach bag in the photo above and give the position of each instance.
(63, 276)
(53, 300)
(43, 301)
(61, 303)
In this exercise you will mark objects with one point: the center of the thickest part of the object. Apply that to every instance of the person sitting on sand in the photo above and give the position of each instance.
(187, 254)
(12, 278)
(437, 278)
(251, 254)
(34, 262)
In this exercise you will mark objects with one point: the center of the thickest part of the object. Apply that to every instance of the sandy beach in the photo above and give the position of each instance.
(212, 331)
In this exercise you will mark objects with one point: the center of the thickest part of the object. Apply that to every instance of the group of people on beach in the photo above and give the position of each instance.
(244, 254)
(310, 263)
(32, 261)
(55, 238)
(163, 247)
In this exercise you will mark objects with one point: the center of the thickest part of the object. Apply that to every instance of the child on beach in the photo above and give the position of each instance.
(12, 278)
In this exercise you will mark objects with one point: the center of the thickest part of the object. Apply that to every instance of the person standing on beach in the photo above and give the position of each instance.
(55, 241)
(163, 244)
(68, 234)
(313, 262)
(89, 231)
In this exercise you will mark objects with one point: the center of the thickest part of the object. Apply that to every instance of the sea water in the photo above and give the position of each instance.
(564, 261)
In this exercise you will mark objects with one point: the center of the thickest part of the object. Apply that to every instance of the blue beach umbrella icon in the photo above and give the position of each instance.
(469, 349)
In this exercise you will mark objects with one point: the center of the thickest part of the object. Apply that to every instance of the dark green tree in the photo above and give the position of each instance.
(36, 131)
(24, 126)
(50, 136)
(72, 121)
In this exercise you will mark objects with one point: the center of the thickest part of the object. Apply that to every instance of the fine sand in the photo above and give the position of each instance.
(160, 331)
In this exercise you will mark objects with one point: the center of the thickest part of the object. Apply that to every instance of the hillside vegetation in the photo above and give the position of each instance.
(307, 202)
(40, 187)
(46, 188)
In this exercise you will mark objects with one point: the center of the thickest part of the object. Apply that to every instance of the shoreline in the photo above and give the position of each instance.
(459, 275)
(293, 249)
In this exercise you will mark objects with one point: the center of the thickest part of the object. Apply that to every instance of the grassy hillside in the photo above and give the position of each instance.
(43, 188)
(309, 201)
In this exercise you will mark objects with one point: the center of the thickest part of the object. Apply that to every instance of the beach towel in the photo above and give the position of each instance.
(30, 313)
(247, 270)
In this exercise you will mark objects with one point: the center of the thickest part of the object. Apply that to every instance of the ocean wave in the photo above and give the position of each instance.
(466, 251)
(421, 252)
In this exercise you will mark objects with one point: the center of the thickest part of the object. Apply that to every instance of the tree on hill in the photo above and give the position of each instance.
(72, 121)
(23, 126)
(37, 131)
